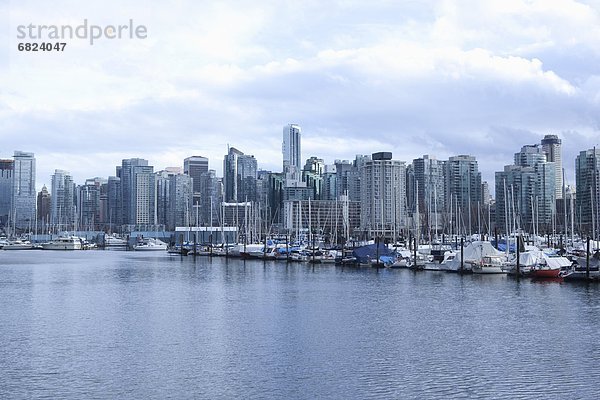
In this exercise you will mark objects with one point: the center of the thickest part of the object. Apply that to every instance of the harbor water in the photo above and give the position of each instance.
(117, 324)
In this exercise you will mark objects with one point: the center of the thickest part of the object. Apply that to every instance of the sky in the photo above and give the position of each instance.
(412, 77)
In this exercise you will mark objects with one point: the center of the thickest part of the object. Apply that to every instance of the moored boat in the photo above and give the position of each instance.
(64, 243)
(150, 244)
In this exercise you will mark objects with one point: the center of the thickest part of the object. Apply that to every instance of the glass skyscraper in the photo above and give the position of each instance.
(23, 191)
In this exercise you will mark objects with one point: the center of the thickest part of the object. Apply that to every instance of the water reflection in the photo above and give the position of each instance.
(124, 324)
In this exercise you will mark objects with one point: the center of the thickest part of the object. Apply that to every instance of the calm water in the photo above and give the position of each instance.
(104, 324)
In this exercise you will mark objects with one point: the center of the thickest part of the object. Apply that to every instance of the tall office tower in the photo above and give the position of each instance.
(22, 215)
(551, 145)
(196, 167)
(291, 149)
(44, 204)
(486, 197)
(89, 205)
(210, 198)
(587, 181)
(383, 196)
(430, 179)
(329, 183)
(114, 203)
(62, 210)
(6, 177)
(239, 176)
(180, 201)
(137, 192)
(525, 192)
(348, 177)
(163, 187)
(312, 175)
(463, 182)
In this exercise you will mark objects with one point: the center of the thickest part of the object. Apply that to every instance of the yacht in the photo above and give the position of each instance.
(150, 244)
(18, 245)
(114, 241)
(64, 243)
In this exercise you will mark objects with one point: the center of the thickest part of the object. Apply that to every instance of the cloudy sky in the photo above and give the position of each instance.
(412, 77)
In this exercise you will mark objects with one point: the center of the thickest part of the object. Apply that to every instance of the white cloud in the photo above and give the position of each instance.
(440, 78)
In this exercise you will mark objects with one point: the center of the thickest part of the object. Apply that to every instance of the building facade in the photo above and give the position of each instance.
(552, 147)
(587, 178)
(62, 210)
(383, 194)
(292, 151)
(463, 193)
(23, 191)
(6, 182)
(525, 193)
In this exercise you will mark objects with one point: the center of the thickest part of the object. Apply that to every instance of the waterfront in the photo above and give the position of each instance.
(111, 324)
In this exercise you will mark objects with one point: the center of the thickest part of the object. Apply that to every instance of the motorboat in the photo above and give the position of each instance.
(114, 241)
(64, 243)
(150, 244)
(18, 245)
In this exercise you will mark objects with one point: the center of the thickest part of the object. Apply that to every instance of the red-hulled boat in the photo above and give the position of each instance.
(550, 267)
(543, 271)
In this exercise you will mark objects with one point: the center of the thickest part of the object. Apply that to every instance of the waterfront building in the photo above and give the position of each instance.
(196, 167)
(44, 204)
(22, 214)
(89, 204)
(239, 176)
(6, 182)
(463, 189)
(525, 192)
(348, 177)
(551, 145)
(292, 151)
(383, 196)
(114, 203)
(180, 201)
(62, 210)
(429, 176)
(312, 175)
(587, 181)
(138, 192)
(163, 197)
(329, 183)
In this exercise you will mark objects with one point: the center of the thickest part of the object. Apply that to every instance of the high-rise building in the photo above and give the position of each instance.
(6, 182)
(138, 192)
(551, 145)
(292, 152)
(463, 189)
(62, 210)
(23, 191)
(329, 183)
(89, 204)
(430, 179)
(44, 204)
(114, 201)
(312, 175)
(196, 167)
(525, 192)
(239, 176)
(180, 201)
(587, 181)
(383, 194)
(163, 187)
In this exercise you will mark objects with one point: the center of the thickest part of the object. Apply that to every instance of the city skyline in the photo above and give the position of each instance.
(438, 78)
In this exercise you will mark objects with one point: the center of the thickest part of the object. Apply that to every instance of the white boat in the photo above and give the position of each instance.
(489, 265)
(18, 245)
(150, 244)
(449, 256)
(64, 243)
(114, 241)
